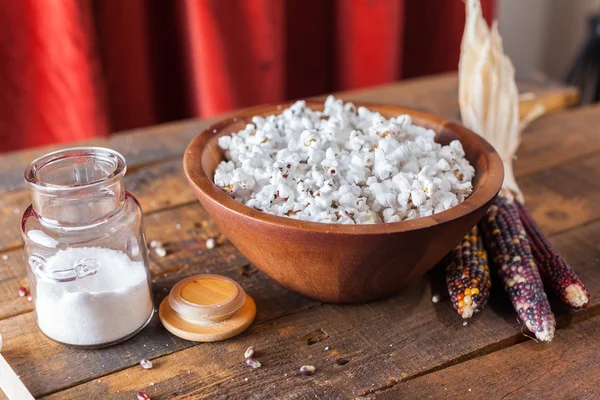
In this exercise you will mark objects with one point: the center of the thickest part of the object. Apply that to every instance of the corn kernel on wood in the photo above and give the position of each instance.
(507, 243)
(468, 275)
(555, 271)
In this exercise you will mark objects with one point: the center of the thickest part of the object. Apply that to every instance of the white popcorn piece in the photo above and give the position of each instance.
(342, 165)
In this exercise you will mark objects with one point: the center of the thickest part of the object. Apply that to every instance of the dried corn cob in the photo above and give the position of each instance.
(468, 275)
(559, 275)
(507, 242)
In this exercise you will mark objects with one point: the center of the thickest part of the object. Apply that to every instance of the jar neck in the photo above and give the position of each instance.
(78, 186)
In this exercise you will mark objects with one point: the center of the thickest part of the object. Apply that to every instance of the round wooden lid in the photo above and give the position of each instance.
(207, 308)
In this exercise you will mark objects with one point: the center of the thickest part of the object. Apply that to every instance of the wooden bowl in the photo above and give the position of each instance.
(343, 263)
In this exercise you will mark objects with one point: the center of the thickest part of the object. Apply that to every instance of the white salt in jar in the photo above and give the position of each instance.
(85, 249)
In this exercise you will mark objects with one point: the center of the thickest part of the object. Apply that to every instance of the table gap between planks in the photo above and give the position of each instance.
(401, 347)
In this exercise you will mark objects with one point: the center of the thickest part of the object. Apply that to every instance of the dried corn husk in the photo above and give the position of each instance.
(488, 95)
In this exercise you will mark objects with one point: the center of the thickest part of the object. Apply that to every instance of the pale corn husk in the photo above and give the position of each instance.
(488, 95)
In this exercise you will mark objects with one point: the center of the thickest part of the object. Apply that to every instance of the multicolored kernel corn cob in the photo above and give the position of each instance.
(507, 242)
(558, 275)
(468, 275)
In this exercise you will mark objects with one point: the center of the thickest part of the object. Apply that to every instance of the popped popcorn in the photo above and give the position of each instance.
(342, 165)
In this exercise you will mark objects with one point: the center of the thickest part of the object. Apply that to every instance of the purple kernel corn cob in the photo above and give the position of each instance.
(555, 271)
(468, 275)
(507, 242)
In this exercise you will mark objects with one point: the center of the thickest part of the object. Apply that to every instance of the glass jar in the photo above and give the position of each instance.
(85, 249)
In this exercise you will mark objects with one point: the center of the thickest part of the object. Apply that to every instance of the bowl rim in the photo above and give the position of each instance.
(199, 180)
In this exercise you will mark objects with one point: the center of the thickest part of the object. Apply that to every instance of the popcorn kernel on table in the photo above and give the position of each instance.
(516, 267)
(210, 243)
(307, 370)
(249, 353)
(251, 362)
(160, 251)
(468, 275)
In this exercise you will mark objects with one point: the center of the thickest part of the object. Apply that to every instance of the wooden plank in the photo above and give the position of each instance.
(354, 334)
(362, 356)
(12, 276)
(38, 360)
(552, 95)
(439, 95)
(568, 368)
(139, 146)
(566, 197)
(424, 336)
(45, 366)
(559, 138)
(498, 323)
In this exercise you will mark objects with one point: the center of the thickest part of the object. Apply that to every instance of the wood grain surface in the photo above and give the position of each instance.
(401, 347)
(516, 373)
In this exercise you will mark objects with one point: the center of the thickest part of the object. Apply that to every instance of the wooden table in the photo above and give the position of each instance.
(401, 347)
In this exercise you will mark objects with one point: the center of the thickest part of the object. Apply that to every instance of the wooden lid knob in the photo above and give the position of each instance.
(207, 308)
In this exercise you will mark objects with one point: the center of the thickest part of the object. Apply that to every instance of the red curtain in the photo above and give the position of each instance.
(75, 69)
